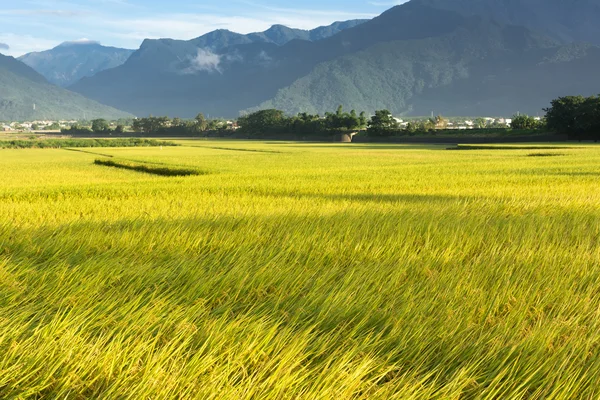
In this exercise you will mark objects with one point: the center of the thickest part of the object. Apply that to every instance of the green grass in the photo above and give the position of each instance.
(65, 143)
(302, 271)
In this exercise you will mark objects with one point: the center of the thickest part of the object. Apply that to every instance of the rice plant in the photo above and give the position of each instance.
(302, 271)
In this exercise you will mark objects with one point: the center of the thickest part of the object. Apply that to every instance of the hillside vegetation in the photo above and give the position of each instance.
(21, 88)
(565, 21)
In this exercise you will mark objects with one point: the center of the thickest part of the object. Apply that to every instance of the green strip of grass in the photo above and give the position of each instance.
(149, 169)
(61, 143)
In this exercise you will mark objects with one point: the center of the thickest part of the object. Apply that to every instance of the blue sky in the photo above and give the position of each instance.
(34, 25)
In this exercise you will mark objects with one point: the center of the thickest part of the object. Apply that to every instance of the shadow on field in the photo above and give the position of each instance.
(238, 149)
(381, 198)
(594, 174)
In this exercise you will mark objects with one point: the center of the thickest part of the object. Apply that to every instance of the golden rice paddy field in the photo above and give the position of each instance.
(300, 271)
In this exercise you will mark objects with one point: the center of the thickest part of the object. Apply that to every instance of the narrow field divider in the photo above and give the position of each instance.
(62, 143)
(150, 169)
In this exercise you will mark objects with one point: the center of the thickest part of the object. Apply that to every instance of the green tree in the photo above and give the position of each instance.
(524, 122)
(382, 123)
(151, 124)
(588, 119)
(351, 121)
(362, 120)
(201, 122)
(481, 123)
(263, 121)
(100, 126)
(563, 114)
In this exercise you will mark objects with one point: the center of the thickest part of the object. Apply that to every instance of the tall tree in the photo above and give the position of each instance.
(382, 123)
(100, 126)
(201, 122)
(563, 114)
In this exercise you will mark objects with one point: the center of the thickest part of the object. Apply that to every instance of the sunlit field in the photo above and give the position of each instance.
(300, 271)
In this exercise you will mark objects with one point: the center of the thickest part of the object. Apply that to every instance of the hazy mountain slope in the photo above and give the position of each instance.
(21, 87)
(181, 78)
(394, 61)
(565, 20)
(71, 61)
(482, 68)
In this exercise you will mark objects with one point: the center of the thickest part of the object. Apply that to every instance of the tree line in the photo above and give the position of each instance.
(150, 125)
(276, 122)
(165, 125)
(381, 124)
(576, 116)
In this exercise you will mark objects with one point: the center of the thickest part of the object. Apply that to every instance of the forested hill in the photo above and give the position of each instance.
(563, 20)
(21, 88)
(412, 59)
(481, 68)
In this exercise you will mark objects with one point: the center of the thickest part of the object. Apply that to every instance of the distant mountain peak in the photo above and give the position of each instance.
(278, 26)
(70, 61)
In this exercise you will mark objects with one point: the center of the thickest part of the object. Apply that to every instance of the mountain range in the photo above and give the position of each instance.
(27, 95)
(466, 57)
(69, 62)
(451, 57)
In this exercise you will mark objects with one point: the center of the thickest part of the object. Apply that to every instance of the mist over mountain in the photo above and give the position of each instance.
(21, 88)
(71, 61)
(413, 59)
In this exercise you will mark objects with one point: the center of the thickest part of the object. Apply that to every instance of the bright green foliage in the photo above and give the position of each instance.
(100, 126)
(66, 143)
(201, 122)
(343, 121)
(577, 116)
(382, 123)
(524, 122)
(301, 271)
(276, 122)
(263, 121)
(150, 124)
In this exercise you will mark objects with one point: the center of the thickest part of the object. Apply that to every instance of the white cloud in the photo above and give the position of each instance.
(264, 57)
(205, 60)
